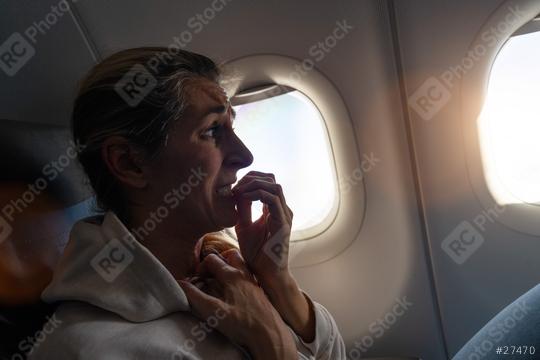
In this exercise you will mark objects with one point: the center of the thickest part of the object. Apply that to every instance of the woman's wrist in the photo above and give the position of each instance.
(294, 308)
(279, 286)
(272, 342)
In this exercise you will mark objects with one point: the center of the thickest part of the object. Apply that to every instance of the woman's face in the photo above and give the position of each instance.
(193, 174)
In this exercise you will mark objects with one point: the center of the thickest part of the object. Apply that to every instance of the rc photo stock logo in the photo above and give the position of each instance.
(466, 238)
(430, 98)
(139, 81)
(112, 260)
(135, 85)
(379, 327)
(434, 93)
(15, 52)
(49, 173)
(280, 249)
(276, 247)
(5, 229)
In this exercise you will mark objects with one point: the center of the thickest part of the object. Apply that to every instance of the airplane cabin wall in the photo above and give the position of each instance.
(389, 262)
(386, 264)
(434, 37)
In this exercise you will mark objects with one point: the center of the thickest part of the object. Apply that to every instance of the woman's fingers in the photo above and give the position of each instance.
(214, 266)
(233, 258)
(213, 287)
(272, 201)
(244, 212)
(202, 304)
(272, 228)
(256, 175)
(269, 178)
(266, 183)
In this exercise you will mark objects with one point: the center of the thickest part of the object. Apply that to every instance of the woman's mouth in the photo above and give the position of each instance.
(225, 191)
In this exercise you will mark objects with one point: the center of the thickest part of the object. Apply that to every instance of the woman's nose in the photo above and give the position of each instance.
(240, 156)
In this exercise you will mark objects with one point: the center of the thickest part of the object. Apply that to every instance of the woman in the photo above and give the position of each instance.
(160, 153)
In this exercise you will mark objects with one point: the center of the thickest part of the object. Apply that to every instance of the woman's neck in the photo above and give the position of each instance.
(173, 244)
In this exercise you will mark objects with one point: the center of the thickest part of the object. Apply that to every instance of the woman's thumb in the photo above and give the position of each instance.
(202, 304)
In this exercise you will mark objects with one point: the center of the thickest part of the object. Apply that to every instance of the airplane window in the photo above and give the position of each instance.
(287, 136)
(509, 125)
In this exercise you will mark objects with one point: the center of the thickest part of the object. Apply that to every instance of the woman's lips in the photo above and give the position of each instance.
(225, 191)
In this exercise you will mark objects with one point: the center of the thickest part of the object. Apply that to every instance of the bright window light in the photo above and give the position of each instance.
(288, 137)
(509, 125)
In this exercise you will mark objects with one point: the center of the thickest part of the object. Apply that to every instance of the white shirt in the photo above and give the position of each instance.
(117, 301)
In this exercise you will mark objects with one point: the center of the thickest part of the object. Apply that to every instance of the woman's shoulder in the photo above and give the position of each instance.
(74, 329)
(82, 331)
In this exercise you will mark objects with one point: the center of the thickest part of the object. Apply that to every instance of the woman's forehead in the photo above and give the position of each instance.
(205, 97)
(210, 91)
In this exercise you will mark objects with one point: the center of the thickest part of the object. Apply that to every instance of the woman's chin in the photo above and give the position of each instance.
(232, 219)
(228, 217)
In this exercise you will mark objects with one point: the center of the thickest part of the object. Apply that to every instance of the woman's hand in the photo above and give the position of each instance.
(264, 243)
(265, 247)
(249, 318)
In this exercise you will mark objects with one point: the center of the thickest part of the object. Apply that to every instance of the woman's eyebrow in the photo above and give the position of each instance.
(221, 109)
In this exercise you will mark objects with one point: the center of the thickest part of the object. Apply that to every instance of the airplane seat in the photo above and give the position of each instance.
(516, 325)
(42, 193)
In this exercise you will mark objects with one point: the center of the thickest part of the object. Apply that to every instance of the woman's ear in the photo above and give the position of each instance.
(124, 161)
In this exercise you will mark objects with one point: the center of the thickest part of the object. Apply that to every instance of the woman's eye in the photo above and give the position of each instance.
(212, 132)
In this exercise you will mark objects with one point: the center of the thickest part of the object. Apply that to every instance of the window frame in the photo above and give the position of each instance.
(260, 71)
(522, 217)
(263, 92)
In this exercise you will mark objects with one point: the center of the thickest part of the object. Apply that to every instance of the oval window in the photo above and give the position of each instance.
(509, 124)
(287, 136)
